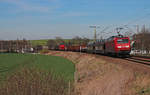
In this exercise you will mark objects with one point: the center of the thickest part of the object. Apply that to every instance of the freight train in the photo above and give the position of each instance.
(114, 45)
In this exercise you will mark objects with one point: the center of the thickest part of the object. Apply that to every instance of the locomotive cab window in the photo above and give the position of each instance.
(120, 41)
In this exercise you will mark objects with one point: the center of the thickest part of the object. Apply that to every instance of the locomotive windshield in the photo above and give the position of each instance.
(120, 41)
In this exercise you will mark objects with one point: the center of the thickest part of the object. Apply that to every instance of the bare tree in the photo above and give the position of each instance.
(59, 41)
(76, 40)
(15, 45)
(142, 40)
(79, 40)
(51, 44)
(85, 40)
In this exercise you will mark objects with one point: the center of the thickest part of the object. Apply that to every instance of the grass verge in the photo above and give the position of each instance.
(27, 74)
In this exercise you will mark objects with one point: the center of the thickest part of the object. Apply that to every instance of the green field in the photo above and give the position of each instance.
(10, 63)
(44, 41)
(38, 42)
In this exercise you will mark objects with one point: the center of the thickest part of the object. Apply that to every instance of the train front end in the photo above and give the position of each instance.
(122, 46)
(62, 47)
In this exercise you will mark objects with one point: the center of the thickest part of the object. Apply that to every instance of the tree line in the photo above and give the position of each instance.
(15, 45)
(53, 43)
(142, 40)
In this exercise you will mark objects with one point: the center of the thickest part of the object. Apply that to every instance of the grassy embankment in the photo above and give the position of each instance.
(35, 74)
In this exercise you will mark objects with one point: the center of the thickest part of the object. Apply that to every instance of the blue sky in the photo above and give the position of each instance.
(46, 19)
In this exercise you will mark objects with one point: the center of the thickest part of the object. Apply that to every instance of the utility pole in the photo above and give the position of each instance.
(1, 45)
(95, 34)
(137, 28)
(143, 40)
(95, 37)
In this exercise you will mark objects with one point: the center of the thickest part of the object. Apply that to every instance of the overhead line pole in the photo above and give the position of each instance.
(95, 34)
(95, 37)
(103, 31)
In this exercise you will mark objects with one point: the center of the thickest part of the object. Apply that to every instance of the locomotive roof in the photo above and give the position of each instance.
(118, 36)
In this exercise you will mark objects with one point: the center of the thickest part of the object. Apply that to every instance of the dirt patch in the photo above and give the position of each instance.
(98, 76)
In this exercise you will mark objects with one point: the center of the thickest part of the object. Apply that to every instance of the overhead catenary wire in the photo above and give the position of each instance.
(136, 20)
(123, 26)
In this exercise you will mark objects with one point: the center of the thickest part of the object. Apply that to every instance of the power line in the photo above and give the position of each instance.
(133, 21)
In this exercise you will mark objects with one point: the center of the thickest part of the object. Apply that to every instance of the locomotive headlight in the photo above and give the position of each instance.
(119, 46)
(127, 46)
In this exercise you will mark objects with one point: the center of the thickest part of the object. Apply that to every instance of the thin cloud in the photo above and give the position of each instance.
(72, 14)
(79, 14)
(26, 6)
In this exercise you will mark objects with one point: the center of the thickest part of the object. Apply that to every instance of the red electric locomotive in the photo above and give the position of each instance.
(118, 45)
(62, 47)
(115, 45)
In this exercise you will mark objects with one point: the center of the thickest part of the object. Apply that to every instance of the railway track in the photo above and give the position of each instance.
(139, 59)
(129, 62)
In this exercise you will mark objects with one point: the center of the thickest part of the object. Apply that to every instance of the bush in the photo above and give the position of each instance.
(44, 51)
